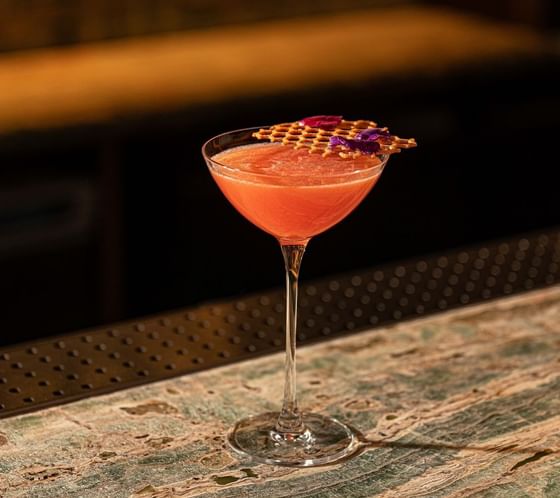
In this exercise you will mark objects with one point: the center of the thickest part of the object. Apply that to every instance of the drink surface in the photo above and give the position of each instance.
(291, 193)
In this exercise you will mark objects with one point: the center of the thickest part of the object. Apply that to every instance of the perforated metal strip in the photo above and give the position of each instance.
(58, 370)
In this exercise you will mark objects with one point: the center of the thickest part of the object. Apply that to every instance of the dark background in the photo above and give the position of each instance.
(119, 218)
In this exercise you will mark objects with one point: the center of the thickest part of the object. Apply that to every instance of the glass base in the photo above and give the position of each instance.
(324, 440)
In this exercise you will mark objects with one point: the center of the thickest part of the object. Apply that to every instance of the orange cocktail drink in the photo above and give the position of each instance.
(290, 193)
(294, 181)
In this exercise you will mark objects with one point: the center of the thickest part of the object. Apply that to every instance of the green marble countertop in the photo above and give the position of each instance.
(460, 404)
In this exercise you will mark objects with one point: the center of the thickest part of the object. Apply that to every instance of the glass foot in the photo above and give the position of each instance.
(324, 440)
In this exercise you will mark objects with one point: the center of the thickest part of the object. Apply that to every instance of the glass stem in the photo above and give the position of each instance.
(290, 420)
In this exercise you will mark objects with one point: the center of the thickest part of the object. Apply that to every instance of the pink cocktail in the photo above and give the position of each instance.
(290, 193)
(294, 181)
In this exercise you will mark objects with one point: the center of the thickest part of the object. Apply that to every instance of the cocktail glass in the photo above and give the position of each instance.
(293, 208)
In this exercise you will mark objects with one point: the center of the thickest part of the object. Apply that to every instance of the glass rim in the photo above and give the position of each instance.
(359, 173)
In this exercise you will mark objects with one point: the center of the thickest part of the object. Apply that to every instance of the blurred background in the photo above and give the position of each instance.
(107, 210)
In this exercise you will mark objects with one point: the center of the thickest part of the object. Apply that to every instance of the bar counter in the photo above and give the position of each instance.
(463, 403)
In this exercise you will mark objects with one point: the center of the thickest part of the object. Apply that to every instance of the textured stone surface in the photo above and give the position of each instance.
(462, 404)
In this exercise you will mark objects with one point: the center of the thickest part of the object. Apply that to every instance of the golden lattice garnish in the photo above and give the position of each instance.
(355, 137)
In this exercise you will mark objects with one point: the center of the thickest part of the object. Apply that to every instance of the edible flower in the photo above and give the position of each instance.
(373, 134)
(364, 146)
(323, 122)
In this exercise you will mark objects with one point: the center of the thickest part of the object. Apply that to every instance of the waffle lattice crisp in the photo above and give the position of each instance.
(317, 139)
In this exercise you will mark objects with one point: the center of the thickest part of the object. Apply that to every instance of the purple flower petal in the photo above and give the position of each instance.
(373, 134)
(324, 122)
(367, 147)
(336, 140)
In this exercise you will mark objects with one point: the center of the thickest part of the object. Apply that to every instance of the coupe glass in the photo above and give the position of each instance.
(292, 209)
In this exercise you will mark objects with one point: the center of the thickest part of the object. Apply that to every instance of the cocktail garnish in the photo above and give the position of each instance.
(333, 135)
(353, 144)
(323, 122)
(373, 134)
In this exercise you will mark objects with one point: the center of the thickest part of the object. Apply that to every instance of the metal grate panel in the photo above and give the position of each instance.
(58, 370)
